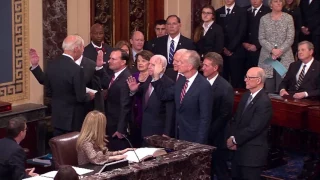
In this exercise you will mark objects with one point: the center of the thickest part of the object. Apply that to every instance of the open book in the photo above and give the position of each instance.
(144, 153)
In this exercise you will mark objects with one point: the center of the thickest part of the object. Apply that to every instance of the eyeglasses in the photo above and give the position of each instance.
(250, 78)
(206, 13)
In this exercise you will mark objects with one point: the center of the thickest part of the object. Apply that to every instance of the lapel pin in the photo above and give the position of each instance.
(179, 44)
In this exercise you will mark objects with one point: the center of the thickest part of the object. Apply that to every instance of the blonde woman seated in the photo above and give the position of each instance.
(91, 143)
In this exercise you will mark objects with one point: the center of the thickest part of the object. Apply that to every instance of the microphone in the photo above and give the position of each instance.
(131, 147)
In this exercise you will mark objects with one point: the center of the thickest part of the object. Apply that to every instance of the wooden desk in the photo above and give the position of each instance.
(313, 120)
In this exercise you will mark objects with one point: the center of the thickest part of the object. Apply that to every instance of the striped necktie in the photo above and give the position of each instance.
(301, 76)
(171, 52)
(183, 92)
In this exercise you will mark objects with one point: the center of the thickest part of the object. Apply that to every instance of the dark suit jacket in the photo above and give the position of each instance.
(234, 26)
(310, 14)
(157, 115)
(65, 80)
(253, 25)
(160, 46)
(12, 159)
(171, 74)
(193, 115)
(221, 111)
(118, 102)
(310, 83)
(90, 79)
(149, 45)
(250, 129)
(212, 41)
(91, 53)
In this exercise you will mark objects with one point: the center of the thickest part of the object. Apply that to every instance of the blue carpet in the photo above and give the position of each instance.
(289, 171)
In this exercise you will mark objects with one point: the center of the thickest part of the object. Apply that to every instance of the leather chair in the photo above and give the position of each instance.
(64, 149)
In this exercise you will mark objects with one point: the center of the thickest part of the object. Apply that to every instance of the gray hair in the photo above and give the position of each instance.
(262, 74)
(71, 42)
(308, 43)
(162, 58)
(216, 59)
(193, 58)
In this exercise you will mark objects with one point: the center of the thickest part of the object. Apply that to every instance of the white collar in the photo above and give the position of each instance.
(95, 46)
(175, 39)
(231, 7)
(208, 25)
(68, 56)
(309, 63)
(78, 61)
(118, 73)
(254, 94)
(256, 8)
(212, 80)
(192, 78)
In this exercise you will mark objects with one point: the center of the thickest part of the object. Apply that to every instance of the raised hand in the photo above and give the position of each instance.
(132, 84)
(34, 58)
(100, 62)
(158, 69)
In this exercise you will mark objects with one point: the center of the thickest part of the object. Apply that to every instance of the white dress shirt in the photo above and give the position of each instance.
(257, 9)
(206, 28)
(305, 70)
(191, 79)
(78, 61)
(231, 7)
(176, 41)
(95, 46)
(211, 81)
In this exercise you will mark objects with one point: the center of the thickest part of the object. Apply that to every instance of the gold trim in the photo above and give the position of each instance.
(18, 89)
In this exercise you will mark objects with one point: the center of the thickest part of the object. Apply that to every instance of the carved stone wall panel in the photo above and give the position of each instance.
(18, 87)
(103, 14)
(54, 31)
(137, 9)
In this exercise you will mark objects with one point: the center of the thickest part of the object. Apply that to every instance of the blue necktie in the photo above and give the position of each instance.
(171, 52)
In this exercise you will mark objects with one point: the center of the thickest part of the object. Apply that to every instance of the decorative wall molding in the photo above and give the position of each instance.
(18, 88)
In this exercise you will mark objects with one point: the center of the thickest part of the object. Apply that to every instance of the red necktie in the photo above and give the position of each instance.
(98, 49)
(148, 94)
(111, 82)
(183, 92)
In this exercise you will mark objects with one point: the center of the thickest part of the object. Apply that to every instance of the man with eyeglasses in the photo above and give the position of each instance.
(249, 128)
(169, 44)
(12, 156)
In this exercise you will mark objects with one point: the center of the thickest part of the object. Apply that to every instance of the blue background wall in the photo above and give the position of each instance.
(6, 41)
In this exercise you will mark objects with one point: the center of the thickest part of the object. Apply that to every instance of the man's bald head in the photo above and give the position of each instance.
(137, 41)
(73, 45)
(97, 34)
(176, 57)
(255, 79)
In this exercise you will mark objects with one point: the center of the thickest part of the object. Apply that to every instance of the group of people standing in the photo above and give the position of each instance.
(155, 87)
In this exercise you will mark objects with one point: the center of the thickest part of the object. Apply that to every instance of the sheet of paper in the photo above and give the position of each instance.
(82, 171)
(91, 90)
(278, 66)
(50, 174)
(38, 178)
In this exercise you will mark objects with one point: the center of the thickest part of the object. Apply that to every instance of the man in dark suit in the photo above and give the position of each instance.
(65, 82)
(160, 30)
(90, 79)
(301, 80)
(233, 20)
(118, 100)
(251, 43)
(158, 116)
(310, 11)
(169, 44)
(249, 128)
(12, 156)
(97, 38)
(221, 112)
(174, 73)
(192, 96)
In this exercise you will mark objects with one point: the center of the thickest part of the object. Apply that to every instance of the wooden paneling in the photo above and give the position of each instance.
(121, 17)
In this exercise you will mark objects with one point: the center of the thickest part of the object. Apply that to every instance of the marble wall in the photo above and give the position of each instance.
(54, 31)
